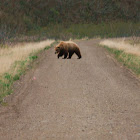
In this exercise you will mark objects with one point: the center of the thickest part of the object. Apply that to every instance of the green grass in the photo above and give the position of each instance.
(7, 79)
(78, 31)
(129, 60)
(33, 57)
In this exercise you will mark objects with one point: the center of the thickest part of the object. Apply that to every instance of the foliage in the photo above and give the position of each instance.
(20, 16)
(112, 29)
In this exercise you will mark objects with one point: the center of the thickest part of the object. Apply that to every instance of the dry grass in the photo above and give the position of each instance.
(8, 56)
(15, 60)
(122, 44)
(125, 52)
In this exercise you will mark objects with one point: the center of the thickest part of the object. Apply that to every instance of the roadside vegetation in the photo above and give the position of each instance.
(15, 60)
(125, 51)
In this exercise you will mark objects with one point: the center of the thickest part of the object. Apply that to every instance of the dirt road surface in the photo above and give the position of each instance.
(93, 98)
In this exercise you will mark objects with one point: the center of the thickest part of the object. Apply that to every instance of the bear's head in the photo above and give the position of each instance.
(59, 47)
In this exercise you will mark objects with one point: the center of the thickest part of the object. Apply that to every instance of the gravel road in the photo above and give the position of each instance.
(93, 98)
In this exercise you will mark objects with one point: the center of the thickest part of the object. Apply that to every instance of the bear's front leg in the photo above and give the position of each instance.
(58, 56)
(70, 55)
(65, 55)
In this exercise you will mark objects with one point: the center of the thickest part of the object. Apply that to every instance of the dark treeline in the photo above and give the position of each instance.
(25, 15)
(41, 12)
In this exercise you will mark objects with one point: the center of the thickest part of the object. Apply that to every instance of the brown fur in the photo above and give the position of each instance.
(67, 48)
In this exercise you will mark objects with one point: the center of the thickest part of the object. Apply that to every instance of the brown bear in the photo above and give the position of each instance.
(67, 48)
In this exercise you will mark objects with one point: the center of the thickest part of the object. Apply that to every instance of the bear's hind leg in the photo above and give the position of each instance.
(78, 54)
